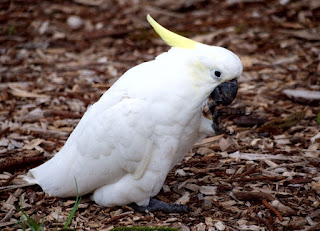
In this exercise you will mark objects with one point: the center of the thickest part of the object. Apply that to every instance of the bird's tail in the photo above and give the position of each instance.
(30, 179)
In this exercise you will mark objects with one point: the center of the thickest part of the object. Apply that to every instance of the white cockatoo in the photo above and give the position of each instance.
(127, 142)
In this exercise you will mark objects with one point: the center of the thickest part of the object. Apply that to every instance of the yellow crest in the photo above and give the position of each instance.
(172, 39)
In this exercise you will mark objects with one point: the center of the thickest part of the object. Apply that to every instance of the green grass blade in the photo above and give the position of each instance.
(31, 223)
(22, 223)
(42, 224)
(75, 207)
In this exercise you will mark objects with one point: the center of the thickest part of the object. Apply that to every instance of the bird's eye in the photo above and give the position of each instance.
(216, 74)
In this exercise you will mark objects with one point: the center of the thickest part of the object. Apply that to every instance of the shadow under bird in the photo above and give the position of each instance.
(126, 143)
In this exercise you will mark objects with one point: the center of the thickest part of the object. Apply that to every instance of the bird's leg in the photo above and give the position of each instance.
(157, 205)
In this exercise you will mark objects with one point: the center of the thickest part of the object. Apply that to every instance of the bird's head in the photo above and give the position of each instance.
(214, 67)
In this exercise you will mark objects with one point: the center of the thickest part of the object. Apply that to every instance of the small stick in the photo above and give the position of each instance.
(117, 217)
(257, 178)
(64, 114)
(273, 209)
(246, 173)
(12, 165)
(4, 131)
(9, 180)
(251, 196)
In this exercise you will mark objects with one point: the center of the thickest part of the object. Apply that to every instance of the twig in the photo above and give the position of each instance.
(64, 114)
(274, 210)
(257, 178)
(208, 140)
(45, 133)
(12, 165)
(9, 187)
(313, 227)
(246, 173)
(259, 156)
(285, 165)
(8, 216)
(249, 196)
(118, 217)
(9, 180)
(4, 131)
(299, 180)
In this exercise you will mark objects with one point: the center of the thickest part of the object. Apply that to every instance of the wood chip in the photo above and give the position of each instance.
(208, 190)
(248, 196)
(301, 95)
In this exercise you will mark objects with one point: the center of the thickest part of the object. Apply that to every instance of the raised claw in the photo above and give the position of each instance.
(216, 117)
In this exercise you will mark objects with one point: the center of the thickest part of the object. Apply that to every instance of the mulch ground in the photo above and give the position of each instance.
(58, 57)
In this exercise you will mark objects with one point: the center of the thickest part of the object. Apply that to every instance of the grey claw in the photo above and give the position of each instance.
(157, 205)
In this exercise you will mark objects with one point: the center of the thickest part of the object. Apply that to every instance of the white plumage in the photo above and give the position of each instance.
(128, 141)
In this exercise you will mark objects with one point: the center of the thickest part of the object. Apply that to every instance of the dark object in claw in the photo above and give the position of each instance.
(225, 93)
(232, 111)
(216, 116)
(250, 121)
(157, 205)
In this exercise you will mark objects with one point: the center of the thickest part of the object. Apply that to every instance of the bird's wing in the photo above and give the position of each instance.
(107, 144)
(116, 141)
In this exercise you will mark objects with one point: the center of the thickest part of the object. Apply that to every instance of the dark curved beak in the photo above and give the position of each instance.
(225, 93)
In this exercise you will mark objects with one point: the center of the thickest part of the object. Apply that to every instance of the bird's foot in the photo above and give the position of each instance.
(157, 205)
(225, 111)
